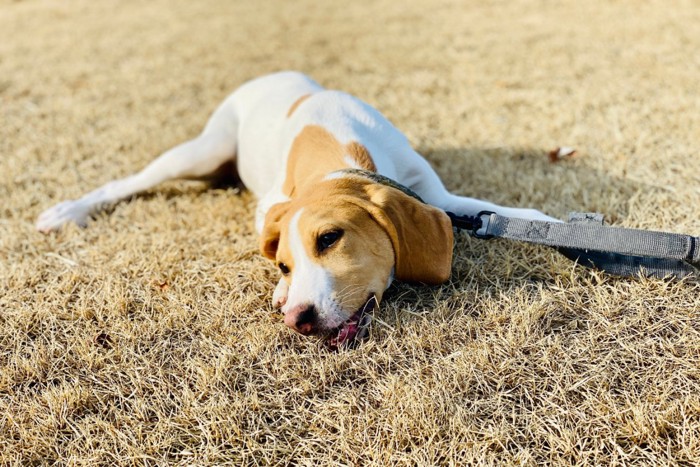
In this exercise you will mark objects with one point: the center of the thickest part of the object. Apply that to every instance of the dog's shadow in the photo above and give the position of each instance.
(520, 177)
(526, 177)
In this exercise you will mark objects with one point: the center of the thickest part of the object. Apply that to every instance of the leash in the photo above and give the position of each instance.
(586, 240)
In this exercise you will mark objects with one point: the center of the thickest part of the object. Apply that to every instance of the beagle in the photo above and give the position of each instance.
(338, 237)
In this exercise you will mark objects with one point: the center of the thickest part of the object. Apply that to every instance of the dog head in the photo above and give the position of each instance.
(339, 245)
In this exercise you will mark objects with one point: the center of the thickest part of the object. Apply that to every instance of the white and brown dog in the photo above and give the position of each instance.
(338, 237)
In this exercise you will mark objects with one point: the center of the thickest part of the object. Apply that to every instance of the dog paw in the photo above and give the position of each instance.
(279, 297)
(62, 213)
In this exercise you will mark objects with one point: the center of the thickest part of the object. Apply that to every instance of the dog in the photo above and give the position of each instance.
(338, 236)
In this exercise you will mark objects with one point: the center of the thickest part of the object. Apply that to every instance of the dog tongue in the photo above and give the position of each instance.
(355, 328)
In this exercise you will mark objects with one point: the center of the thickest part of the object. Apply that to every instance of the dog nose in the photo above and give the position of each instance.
(301, 318)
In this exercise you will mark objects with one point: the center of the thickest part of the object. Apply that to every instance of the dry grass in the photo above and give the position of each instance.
(148, 337)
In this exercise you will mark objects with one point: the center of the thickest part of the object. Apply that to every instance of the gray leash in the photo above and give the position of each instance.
(584, 239)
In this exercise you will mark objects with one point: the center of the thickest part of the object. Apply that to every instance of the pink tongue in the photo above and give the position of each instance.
(347, 332)
(355, 328)
(345, 335)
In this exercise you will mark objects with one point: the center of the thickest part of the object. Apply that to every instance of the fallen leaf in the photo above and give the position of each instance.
(563, 152)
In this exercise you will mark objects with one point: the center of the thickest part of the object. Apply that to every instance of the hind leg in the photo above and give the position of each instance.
(199, 158)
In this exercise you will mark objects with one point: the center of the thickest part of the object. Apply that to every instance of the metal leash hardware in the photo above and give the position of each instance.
(471, 224)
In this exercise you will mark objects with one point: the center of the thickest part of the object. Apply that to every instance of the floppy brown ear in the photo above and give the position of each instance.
(421, 234)
(270, 236)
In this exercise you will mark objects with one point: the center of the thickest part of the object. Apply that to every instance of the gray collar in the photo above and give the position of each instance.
(375, 177)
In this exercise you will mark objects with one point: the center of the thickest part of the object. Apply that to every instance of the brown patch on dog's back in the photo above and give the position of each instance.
(361, 155)
(316, 152)
(296, 104)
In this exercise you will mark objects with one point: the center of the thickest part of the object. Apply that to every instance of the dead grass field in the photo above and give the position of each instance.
(148, 337)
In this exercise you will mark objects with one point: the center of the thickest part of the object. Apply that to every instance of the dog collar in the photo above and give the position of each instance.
(375, 177)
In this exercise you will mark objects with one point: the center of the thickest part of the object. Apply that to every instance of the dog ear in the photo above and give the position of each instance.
(270, 236)
(421, 234)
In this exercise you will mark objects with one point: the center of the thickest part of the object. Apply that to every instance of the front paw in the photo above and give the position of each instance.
(279, 297)
(62, 213)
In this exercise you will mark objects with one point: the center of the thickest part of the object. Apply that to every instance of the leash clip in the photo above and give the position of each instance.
(484, 218)
(473, 224)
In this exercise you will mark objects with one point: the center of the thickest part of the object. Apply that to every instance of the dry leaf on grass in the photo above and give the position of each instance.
(563, 152)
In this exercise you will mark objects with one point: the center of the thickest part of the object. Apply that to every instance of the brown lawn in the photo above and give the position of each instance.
(148, 338)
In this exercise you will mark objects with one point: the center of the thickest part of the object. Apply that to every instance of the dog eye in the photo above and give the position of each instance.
(327, 239)
(284, 268)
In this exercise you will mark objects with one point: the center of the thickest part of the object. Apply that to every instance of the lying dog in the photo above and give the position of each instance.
(338, 236)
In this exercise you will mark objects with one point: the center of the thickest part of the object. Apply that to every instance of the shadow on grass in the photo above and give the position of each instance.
(525, 177)
(511, 176)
